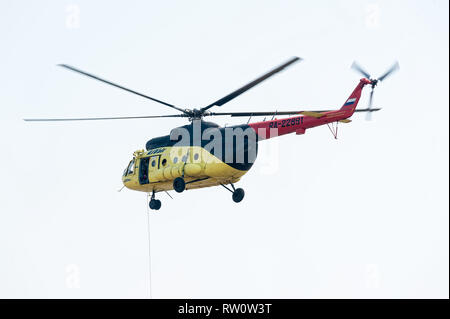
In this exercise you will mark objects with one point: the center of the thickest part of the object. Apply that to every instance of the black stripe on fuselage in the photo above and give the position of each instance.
(240, 153)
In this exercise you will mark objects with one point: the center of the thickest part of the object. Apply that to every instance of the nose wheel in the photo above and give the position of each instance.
(155, 204)
(238, 193)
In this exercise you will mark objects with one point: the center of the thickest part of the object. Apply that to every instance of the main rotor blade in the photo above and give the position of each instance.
(393, 68)
(236, 114)
(103, 118)
(368, 110)
(247, 87)
(119, 86)
(355, 66)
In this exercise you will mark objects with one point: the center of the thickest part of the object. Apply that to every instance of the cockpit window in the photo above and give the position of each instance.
(130, 169)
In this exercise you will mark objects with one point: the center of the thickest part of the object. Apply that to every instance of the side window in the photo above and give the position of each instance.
(154, 161)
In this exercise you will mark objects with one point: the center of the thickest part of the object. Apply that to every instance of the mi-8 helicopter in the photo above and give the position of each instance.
(203, 154)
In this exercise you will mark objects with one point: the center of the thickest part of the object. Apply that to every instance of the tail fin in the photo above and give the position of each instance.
(352, 102)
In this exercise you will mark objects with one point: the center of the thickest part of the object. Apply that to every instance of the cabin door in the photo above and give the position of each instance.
(143, 170)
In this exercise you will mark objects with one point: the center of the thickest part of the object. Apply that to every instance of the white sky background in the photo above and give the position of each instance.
(362, 216)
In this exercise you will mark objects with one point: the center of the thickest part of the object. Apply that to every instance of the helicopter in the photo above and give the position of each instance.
(203, 154)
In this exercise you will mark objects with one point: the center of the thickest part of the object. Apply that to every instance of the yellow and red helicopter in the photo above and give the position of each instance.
(203, 154)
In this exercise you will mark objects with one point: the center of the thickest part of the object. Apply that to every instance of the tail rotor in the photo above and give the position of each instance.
(369, 113)
(355, 66)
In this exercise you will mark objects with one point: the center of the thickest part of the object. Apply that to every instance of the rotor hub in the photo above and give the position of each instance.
(194, 114)
(373, 82)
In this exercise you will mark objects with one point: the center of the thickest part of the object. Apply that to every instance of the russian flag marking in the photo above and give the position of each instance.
(350, 101)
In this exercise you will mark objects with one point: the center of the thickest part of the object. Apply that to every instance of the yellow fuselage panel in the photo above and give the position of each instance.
(198, 167)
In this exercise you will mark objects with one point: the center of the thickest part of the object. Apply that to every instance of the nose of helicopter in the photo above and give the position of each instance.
(126, 181)
(129, 182)
(128, 173)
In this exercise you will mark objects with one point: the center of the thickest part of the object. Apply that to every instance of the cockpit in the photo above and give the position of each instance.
(129, 169)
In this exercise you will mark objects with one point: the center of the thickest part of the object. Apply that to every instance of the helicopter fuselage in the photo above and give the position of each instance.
(204, 154)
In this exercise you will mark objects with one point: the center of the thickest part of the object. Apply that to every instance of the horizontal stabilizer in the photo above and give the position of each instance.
(345, 121)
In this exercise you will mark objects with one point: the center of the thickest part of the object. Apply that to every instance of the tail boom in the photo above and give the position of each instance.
(299, 124)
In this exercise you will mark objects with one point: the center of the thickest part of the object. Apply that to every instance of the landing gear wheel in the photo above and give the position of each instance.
(238, 195)
(155, 204)
(179, 185)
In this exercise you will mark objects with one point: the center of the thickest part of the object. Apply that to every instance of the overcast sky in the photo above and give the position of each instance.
(362, 216)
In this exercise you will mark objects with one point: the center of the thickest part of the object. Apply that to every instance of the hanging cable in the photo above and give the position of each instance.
(149, 247)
